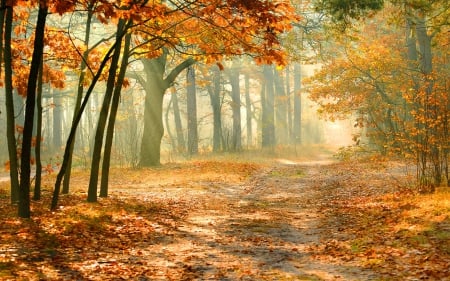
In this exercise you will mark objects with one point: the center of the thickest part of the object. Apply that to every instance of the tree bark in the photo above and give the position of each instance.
(297, 130)
(214, 95)
(155, 86)
(191, 112)
(98, 141)
(281, 108)
(112, 118)
(80, 90)
(236, 144)
(9, 104)
(73, 129)
(181, 143)
(268, 115)
(248, 109)
(38, 48)
(37, 148)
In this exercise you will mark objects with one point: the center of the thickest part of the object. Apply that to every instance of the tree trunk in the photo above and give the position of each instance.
(112, 118)
(248, 109)
(281, 108)
(181, 143)
(191, 112)
(155, 85)
(288, 103)
(57, 120)
(37, 148)
(71, 137)
(214, 95)
(268, 115)
(38, 48)
(80, 88)
(297, 130)
(9, 104)
(98, 141)
(236, 144)
(153, 109)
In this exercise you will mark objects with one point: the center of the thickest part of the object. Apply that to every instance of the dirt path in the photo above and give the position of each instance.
(263, 229)
(197, 221)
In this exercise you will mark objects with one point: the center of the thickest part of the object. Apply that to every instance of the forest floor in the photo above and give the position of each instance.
(280, 219)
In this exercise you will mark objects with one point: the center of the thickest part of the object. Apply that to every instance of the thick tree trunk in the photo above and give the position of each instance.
(112, 118)
(38, 48)
(9, 104)
(98, 142)
(191, 112)
(236, 144)
(155, 86)
(153, 129)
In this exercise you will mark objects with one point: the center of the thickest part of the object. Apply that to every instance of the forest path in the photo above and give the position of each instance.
(269, 227)
(280, 219)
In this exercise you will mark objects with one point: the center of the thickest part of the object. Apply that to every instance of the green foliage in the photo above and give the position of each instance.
(341, 11)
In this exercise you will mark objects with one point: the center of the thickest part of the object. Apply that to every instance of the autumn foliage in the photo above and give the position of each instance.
(393, 90)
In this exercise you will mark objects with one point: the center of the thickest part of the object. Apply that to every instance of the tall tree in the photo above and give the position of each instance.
(80, 88)
(112, 116)
(297, 127)
(37, 142)
(268, 110)
(214, 90)
(281, 99)
(181, 144)
(103, 116)
(236, 143)
(191, 101)
(25, 176)
(155, 86)
(248, 110)
(9, 104)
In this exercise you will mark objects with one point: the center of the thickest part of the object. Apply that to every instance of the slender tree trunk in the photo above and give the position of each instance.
(297, 130)
(268, 115)
(98, 141)
(38, 48)
(112, 118)
(192, 112)
(236, 108)
(214, 94)
(71, 137)
(248, 108)
(281, 108)
(288, 103)
(57, 120)
(181, 143)
(9, 103)
(173, 141)
(80, 88)
(37, 149)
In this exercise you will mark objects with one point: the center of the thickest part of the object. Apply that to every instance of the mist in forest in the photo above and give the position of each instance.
(58, 111)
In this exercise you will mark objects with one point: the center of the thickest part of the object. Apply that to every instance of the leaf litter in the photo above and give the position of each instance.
(216, 220)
